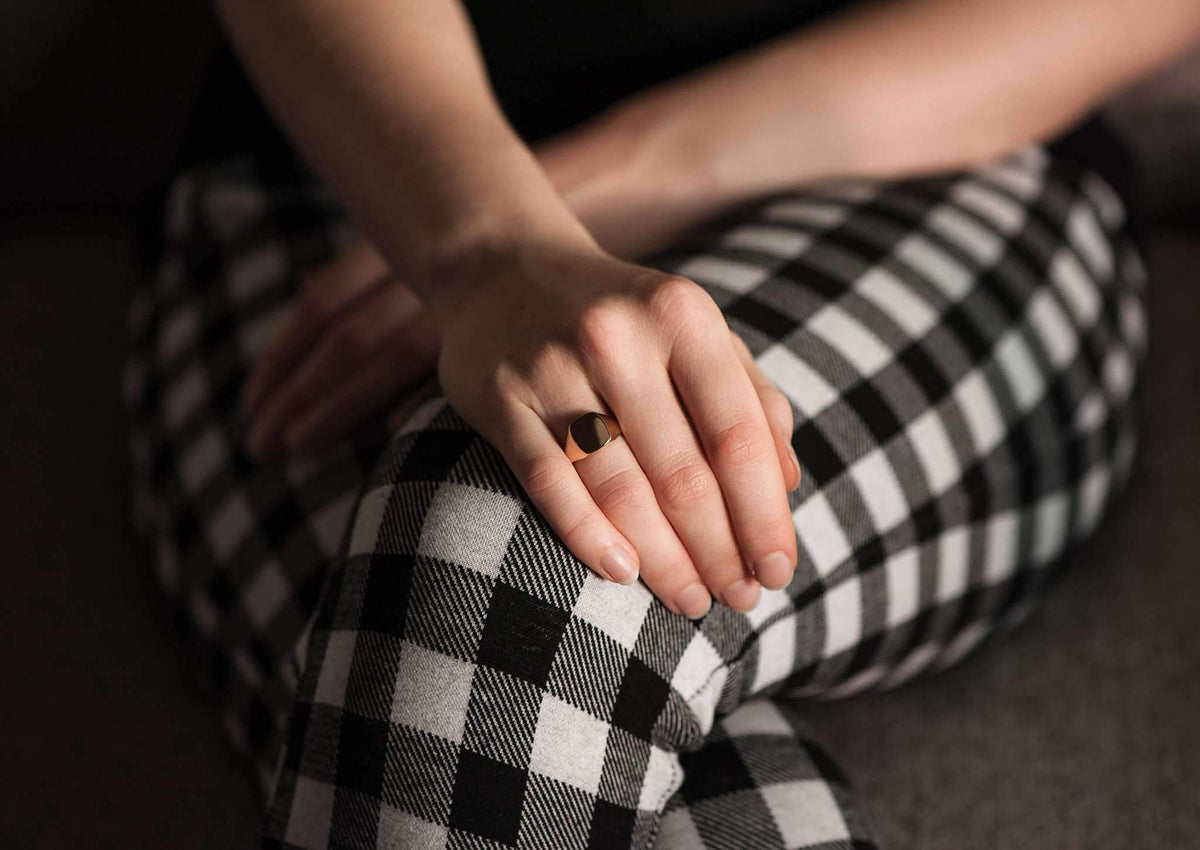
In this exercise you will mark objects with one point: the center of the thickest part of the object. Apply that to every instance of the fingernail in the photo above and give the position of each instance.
(619, 565)
(774, 570)
(796, 461)
(694, 601)
(741, 595)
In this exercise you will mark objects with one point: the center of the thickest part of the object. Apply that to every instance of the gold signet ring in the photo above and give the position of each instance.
(590, 433)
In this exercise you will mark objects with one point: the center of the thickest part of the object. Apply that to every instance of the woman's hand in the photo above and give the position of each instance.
(694, 494)
(356, 340)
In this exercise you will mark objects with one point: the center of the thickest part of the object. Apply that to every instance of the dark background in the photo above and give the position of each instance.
(1079, 730)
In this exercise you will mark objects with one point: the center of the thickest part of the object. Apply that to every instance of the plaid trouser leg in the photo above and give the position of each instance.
(242, 548)
(760, 780)
(961, 354)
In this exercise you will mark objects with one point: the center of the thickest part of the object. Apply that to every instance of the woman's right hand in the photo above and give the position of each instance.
(693, 496)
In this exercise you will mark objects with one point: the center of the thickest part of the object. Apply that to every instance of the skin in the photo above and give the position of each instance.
(521, 285)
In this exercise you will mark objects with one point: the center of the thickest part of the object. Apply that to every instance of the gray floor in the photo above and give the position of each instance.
(1077, 731)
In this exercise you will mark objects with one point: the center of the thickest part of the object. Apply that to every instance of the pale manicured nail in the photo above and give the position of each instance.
(773, 570)
(741, 595)
(694, 601)
(796, 461)
(619, 565)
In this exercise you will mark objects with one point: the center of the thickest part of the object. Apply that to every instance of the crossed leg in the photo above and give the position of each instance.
(961, 354)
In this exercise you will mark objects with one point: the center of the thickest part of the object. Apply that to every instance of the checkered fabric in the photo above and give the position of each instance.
(962, 356)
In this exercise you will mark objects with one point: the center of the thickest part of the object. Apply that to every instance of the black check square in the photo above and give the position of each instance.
(612, 826)
(865, 400)
(818, 458)
(385, 598)
(924, 371)
(487, 798)
(362, 750)
(521, 635)
(713, 771)
(641, 699)
(762, 318)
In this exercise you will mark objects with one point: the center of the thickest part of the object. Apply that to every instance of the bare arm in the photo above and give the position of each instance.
(389, 101)
(884, 90)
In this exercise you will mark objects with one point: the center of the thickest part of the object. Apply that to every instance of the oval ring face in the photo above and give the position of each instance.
(590, 432)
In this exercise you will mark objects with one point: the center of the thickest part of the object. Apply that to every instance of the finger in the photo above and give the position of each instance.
(379, 380)
(325, 294)
(556, 490)
(722, 403)
(624, 494)
(778, 411)
(339, 354)
(667, 449)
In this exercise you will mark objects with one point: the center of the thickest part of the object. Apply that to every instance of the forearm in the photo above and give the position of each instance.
(389, 101)
(895, 89)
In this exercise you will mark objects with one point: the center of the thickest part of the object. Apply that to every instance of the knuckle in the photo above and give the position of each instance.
(502, 382)
(686, 486)
(677, 300)
(543, 478)
(738, 444)
(601, 331)
(623, 491)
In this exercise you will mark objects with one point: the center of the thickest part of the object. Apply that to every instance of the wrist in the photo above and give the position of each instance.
(628, 178)
(482, 252)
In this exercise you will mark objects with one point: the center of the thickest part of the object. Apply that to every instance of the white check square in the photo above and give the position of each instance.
(820, 534)
(880, 490)
(974, 398)
(618, 610)
(776, 652)
(898, 301)
(802, 384)
(432, 692)
(806, 813)
(1000, 547)
(953, 563)
(569, 745)
(903, 574)
(850, 338)
(469, 527)
(929, 440)
(843, 616)
(935, 266)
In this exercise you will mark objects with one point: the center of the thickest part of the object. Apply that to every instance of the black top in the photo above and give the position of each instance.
(553, 63)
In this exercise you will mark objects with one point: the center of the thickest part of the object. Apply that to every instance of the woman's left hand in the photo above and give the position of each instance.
(357, 339)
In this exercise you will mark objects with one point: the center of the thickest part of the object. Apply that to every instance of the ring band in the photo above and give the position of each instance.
(588, 434)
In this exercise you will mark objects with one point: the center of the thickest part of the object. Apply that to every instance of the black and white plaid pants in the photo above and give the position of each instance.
(413, 659)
